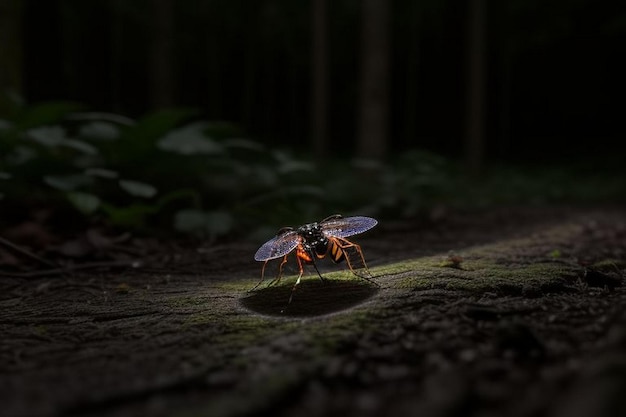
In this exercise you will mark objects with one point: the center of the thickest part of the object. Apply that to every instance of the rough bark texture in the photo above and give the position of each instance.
(525, 318)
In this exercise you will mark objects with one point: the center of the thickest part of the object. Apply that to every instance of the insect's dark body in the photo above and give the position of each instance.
(316, 244)
(314, 241)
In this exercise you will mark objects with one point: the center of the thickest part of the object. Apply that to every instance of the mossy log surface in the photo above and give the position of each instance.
(526, 317)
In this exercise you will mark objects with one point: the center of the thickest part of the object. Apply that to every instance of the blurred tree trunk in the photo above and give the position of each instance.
(10, 53)
(506, 69)
(214, 63)
(319, 84)
(117, 52)
(161, 53)
(475, 117)
(411, 77)
(374, 88)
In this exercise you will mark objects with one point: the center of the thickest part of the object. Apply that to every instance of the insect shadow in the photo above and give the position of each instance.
(314, 297)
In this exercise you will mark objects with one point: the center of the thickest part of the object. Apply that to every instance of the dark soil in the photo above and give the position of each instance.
(511, 312)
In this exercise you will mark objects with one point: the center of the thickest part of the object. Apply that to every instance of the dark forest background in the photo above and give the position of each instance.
(553, 71)
(478, 82)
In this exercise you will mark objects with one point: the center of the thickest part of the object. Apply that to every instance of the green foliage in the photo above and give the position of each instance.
(163, 172)
(171, 172)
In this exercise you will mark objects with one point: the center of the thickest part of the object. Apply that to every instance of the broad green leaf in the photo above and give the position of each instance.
(156, 124)
(288, 164)
(138, 189)
(293, 166)
(99, 130)
(81, 146)
(47, 135)
(84, 202)
(189, 140)
(101, 173)
(116, 119)
(55, 136)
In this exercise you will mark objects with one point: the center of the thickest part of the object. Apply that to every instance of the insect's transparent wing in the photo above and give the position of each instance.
(347, 226)
(278, 246)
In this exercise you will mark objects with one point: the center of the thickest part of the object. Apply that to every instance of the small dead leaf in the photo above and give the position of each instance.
(76, 248)
(122, 288)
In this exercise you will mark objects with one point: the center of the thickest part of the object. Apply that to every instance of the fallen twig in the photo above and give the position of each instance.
(26, 252)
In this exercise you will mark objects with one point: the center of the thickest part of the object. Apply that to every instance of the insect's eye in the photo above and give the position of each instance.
(284, 230)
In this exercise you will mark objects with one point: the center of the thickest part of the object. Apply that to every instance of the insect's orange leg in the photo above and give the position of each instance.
(293, 289)
(275, 280)
(262, 276)
(280, 272)
(345, 244)
(280, 269)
